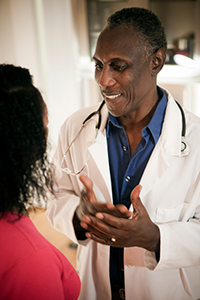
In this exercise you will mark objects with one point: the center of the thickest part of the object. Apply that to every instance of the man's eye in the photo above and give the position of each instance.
(119, 67)
(98, 67)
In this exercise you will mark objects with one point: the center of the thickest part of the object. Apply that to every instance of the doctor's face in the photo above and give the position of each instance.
(122, 71)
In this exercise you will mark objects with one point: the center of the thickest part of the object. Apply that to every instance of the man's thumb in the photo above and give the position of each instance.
(87, 182)
(87, 193)
(135, 199)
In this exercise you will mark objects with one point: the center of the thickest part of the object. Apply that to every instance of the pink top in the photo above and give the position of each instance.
(30, 267)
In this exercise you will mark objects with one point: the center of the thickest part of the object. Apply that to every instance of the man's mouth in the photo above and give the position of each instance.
(111, 97)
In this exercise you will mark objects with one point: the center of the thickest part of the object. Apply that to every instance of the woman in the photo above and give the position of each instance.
(30, 267)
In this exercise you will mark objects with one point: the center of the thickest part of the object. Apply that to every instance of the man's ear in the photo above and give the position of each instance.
(157, 61)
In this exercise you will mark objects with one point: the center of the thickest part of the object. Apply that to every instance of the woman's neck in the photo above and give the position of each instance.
(24, 212)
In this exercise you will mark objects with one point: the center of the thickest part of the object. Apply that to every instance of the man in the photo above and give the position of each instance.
(136, 249)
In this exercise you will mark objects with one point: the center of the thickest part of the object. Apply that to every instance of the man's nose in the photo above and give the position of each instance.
(106, 78)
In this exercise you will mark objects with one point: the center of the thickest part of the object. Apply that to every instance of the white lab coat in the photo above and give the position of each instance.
(171, 195)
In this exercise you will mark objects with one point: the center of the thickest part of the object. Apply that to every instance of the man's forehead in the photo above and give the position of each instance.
(117, 42)
(116, 32)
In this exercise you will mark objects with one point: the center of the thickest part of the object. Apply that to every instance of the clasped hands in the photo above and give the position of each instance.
(115, 225)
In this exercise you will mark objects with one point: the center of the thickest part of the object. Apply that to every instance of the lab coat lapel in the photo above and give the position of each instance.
(168, 145)
(99, 154)
(99, 157)
(155, 168)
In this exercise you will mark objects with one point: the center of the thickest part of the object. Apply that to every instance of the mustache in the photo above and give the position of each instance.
(110, 92)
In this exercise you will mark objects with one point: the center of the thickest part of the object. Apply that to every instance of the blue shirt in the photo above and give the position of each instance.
(126, 171)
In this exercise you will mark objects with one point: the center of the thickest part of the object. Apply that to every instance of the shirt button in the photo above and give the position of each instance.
(127, 178)
(124, 148)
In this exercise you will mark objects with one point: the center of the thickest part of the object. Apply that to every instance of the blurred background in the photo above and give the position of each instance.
(55, 40)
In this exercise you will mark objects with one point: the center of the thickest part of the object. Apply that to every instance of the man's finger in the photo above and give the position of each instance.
(135, 199)
(88, 193)
(87, 182)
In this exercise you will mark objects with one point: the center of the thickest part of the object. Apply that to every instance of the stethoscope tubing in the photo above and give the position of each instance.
(98, 111)
(183, 133)
(183, 120)
(185, 150)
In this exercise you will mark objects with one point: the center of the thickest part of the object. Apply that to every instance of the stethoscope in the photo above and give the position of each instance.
(98, 111)
(185, 149)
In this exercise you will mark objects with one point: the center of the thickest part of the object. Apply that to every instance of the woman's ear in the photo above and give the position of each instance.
(158, 60)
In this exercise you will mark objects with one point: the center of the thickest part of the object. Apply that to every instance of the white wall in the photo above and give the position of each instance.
(18, 38)
(39, 35)
(61, 49)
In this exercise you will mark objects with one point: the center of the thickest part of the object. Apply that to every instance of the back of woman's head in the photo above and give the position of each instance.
(14, 76)
(24, 165)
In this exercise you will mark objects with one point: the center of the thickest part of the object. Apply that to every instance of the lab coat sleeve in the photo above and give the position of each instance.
(180, 240)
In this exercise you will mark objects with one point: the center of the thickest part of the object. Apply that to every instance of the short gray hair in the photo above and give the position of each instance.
(148, 27)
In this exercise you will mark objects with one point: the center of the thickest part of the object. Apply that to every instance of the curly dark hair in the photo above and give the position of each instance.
(148, 27)
(24, 165)
(14, 76)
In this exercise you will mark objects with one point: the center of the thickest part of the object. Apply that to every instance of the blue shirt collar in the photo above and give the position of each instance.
(155, 124)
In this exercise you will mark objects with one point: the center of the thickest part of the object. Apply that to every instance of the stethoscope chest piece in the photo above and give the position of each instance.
(185, 149)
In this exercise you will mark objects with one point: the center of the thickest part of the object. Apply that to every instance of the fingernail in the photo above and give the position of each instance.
(99, 216)
(86, 219)
(83, 225)
(88, 235)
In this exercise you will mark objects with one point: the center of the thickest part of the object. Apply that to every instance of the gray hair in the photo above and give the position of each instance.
(148, 27)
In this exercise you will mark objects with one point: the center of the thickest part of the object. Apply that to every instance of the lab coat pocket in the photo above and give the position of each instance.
(164, 215)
